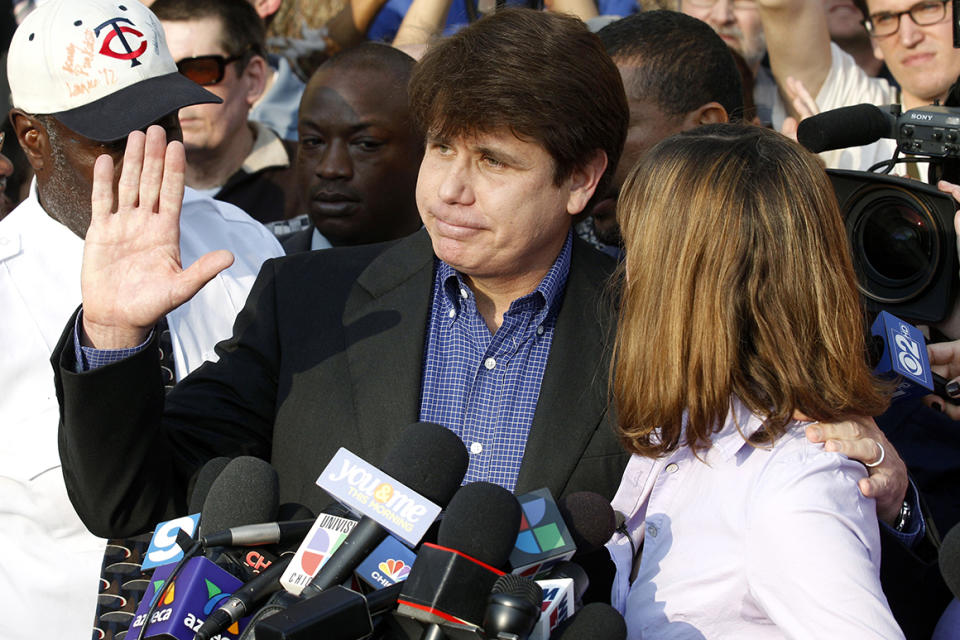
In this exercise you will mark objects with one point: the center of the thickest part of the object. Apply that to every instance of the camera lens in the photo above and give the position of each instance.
(901, 241)
(897, 241)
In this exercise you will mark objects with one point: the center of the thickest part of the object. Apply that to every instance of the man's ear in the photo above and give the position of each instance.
(255, 75)
(709, 113)
(33, 139)
(583, 181)
(877, 51)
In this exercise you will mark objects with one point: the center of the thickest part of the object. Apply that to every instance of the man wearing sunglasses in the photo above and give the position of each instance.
(83, 75)
(219, 44)
(914, 38)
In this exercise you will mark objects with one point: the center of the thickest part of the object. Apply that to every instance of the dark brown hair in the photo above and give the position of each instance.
(241, 28)
(738, 282)
(541, 75)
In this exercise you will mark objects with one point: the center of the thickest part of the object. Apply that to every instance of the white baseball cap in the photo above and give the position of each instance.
(101, 67)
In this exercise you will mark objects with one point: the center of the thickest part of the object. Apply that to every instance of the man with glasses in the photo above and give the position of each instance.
(83, 75)
(220, 44)
(914, 39)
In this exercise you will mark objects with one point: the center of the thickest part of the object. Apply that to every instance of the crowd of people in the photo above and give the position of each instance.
(586, 243)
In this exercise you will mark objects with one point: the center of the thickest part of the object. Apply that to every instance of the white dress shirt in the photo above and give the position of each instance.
(749, 542)
(49, 573)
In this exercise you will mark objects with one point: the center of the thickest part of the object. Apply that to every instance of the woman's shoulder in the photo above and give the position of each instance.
(799, 474)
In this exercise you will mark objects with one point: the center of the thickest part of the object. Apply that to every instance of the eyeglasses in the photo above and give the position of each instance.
(887, 23)
(207, 70)
(738, 5)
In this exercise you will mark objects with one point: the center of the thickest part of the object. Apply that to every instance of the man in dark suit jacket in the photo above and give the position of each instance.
(331, 349)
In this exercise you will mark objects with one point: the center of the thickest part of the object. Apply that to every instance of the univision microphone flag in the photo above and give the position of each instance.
(318, 546)
(544, 539)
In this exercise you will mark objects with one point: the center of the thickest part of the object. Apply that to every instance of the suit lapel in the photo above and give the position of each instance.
(385, 322)
(570, 407)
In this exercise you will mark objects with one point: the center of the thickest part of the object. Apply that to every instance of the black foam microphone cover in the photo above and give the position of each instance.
(589, 518)
(950, 560)
(596, 621)
(245, 492)
(846, 127)
(203, 480)
(430, 459)
(482, 521)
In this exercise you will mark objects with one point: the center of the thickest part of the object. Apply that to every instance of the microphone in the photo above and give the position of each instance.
(202, 482)
(576, 574)
(512, 608)
(592, 522)
(590, 519)
(428, 478)
(450, 580)
(163, 548)
(852, 126)
(336, 613)
(239, 604)
(544, 539)
(898, 349)
(597, 621)
(325, 536)
(339, 612)
(256, 534)
(182, 605)
(245, 494)
(246, 491)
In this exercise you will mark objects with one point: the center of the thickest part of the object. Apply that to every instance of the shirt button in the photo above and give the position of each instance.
(540, 330)
(463, 293)
(452, 313)
(490, 363)
(476, 447)
(652, 530)
(672, 467)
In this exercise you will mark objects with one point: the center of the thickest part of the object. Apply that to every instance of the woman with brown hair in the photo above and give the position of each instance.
(740, 324)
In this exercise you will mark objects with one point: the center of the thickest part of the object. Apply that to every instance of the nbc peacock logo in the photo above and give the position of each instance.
(396, 570)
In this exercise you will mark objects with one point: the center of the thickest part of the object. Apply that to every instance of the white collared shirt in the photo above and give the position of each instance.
(749, 542)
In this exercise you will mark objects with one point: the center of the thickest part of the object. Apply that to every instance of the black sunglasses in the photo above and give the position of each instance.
(207, 70)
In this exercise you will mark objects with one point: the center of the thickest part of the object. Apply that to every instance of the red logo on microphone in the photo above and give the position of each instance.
(120, 33)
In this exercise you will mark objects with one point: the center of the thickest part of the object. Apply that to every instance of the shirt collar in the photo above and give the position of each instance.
(268, 150)
(548, 293)
(729, 441)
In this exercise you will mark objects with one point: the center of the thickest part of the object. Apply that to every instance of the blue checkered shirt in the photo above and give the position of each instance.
(485, 387)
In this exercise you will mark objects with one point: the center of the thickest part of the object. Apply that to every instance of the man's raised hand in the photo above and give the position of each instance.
(131, 274)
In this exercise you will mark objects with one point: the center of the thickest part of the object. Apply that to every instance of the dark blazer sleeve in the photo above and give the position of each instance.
(127, 457)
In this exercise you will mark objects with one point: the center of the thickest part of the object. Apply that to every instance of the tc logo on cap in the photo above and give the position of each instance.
(128, 53)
